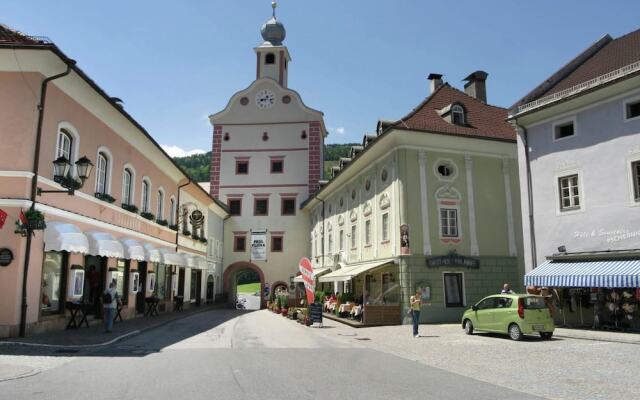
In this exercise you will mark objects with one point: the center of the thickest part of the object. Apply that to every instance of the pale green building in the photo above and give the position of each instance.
(430, 201)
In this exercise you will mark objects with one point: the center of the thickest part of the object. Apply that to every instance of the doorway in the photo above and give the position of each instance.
(142, 292)
(94, 283)
(210, 285)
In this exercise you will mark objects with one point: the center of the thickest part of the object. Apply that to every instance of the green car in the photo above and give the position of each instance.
(514, 314)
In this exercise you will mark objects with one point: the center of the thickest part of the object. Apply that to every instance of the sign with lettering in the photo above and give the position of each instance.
(258, 246)
(306, 270)
(453, 259)
(6, 256)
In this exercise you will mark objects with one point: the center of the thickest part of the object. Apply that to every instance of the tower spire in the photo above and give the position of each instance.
(274, 5)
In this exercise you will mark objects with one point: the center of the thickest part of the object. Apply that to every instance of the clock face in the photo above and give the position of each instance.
(265, 99)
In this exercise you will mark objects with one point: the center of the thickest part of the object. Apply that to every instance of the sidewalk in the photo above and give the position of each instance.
(602, 336)
(94, 335)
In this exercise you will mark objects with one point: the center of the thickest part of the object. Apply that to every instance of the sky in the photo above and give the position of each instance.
(176, 62)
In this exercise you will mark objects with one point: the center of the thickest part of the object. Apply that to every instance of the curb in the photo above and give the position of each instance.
(612, 340)
(107, 343)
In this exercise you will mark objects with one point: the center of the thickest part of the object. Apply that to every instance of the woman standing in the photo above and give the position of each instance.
(110, 301)
(415, 303)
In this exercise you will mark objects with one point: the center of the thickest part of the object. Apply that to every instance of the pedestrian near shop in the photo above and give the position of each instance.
(110, 301)
(506, 289)
(416, 304)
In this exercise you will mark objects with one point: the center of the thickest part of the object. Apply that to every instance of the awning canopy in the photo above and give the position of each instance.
(133, 250)
(104, 245)
(597, 273)
(60, 236)
(172, 258)
(348, 272)
(316, 273)
(151, 254)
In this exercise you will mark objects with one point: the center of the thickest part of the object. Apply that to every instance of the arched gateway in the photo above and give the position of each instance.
(230, 275)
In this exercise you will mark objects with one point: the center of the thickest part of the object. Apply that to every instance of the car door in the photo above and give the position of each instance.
(503, 313)
(484, 314)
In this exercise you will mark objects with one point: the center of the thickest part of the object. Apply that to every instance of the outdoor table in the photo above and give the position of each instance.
(152, 306)
(76, 308)
(177, 302)
(345, 307)
(356, 311)
(118, 316)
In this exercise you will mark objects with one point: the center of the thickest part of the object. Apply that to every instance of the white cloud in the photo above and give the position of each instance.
(175, 151)
(341, 130)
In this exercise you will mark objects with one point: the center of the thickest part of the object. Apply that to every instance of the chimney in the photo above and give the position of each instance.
(435, 82)
(476, 85)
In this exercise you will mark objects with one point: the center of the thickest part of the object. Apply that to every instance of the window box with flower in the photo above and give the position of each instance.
(147, 215)
(104, 197)
(162, 222)
(174, 227)
(130, 208)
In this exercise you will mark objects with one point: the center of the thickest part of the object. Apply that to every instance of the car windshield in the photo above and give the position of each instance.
(534, 303)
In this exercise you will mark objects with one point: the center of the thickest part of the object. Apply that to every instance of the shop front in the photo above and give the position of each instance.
(591, 291)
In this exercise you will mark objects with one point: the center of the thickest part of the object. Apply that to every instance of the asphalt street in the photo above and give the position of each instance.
(228, 354)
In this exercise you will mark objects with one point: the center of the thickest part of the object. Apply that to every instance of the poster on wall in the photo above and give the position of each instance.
(135, 282)
(76, 287)
(425, 290)
(405, 247)
(151, 282)
(258, 246)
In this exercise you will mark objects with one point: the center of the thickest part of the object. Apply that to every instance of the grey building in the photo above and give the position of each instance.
(579, 157)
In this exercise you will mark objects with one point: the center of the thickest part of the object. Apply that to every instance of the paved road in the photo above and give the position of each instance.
(226, 354)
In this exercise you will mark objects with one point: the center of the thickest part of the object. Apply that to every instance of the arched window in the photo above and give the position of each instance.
(65, 143)
(127, 186)
(172, 211)
(270, 58)
(160, 205)
(102, 173)
(185, 219)
(146, 187)
(457, 115)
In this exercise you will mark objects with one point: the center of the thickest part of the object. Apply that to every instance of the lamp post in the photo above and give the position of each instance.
(61, 167)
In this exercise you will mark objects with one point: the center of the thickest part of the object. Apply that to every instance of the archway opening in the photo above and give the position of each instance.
(244, 285)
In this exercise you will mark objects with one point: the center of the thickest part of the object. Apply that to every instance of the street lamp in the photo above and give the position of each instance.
(61, 167)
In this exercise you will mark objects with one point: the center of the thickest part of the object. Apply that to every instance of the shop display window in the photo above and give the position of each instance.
(53, 279)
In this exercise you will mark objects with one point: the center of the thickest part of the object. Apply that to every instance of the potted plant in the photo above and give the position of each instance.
(35, 219)
(147, 215)
(130, 208)
(104, 197)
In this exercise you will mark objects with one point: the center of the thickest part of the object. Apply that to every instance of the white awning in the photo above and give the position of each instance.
(170, 257)
(316, 273)
(60, 236)
(133, 250)
(151, 254)
(348, 272)
(104, 244)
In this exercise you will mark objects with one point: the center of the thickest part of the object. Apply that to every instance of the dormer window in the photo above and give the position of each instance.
(270, 58)
(457, 115)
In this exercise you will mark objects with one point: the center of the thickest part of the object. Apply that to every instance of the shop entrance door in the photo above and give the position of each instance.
(94, 283)
(210, 289)
(181, 282)
(142, 293)
(198, 287)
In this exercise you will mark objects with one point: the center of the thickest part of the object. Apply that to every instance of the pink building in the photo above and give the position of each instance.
(126, 221)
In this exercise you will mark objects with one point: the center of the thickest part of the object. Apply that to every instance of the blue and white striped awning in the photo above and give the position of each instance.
(601, 273)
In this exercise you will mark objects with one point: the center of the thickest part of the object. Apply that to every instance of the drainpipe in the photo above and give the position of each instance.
(532, 234)
(34, 187)
(322, 231)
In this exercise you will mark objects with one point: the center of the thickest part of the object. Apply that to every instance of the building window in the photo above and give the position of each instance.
(449, 222)
(563, 130)
(53, 282)
(242, 167)
(635, 172)
(385, 227)
(146, 187)
(172, 211)
(65, 141)
(277, 166)
(270, 58)
(102, 170)
(457, 115)
(160, 206)
(632, 109)
(261, 207)
(569, 192)
(276, 244)
(330, 247)
(127, 186)
(453, 290)
(239, 243)
(288, 206)
(367, 232)
(353, 236)
(235, 207)
(341, 240)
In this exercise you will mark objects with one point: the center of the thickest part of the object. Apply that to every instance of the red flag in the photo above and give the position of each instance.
(306, 269)
(22, 217)
(3, 218)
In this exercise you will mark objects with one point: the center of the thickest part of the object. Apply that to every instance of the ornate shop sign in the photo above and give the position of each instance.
(453, 259)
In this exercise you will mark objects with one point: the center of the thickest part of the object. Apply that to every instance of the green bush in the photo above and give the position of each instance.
(319, 296)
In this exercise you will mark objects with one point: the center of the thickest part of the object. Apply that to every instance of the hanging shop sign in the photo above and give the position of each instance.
(197, 219)
(258, 246)
(306, 269)
(453, 259)
(6, 256)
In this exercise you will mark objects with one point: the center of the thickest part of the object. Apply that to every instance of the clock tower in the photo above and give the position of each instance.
(266, 161)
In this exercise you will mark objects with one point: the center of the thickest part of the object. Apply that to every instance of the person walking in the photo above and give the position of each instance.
(416, 304)
(110, 301)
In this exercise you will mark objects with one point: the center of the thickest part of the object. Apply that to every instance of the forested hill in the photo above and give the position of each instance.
(198, 165)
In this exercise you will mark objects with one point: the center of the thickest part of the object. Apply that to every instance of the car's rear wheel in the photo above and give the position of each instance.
(514, 332)
(468, 327)
(546, 335)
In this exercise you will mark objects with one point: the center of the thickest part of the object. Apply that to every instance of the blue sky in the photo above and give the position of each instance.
(173, 63)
